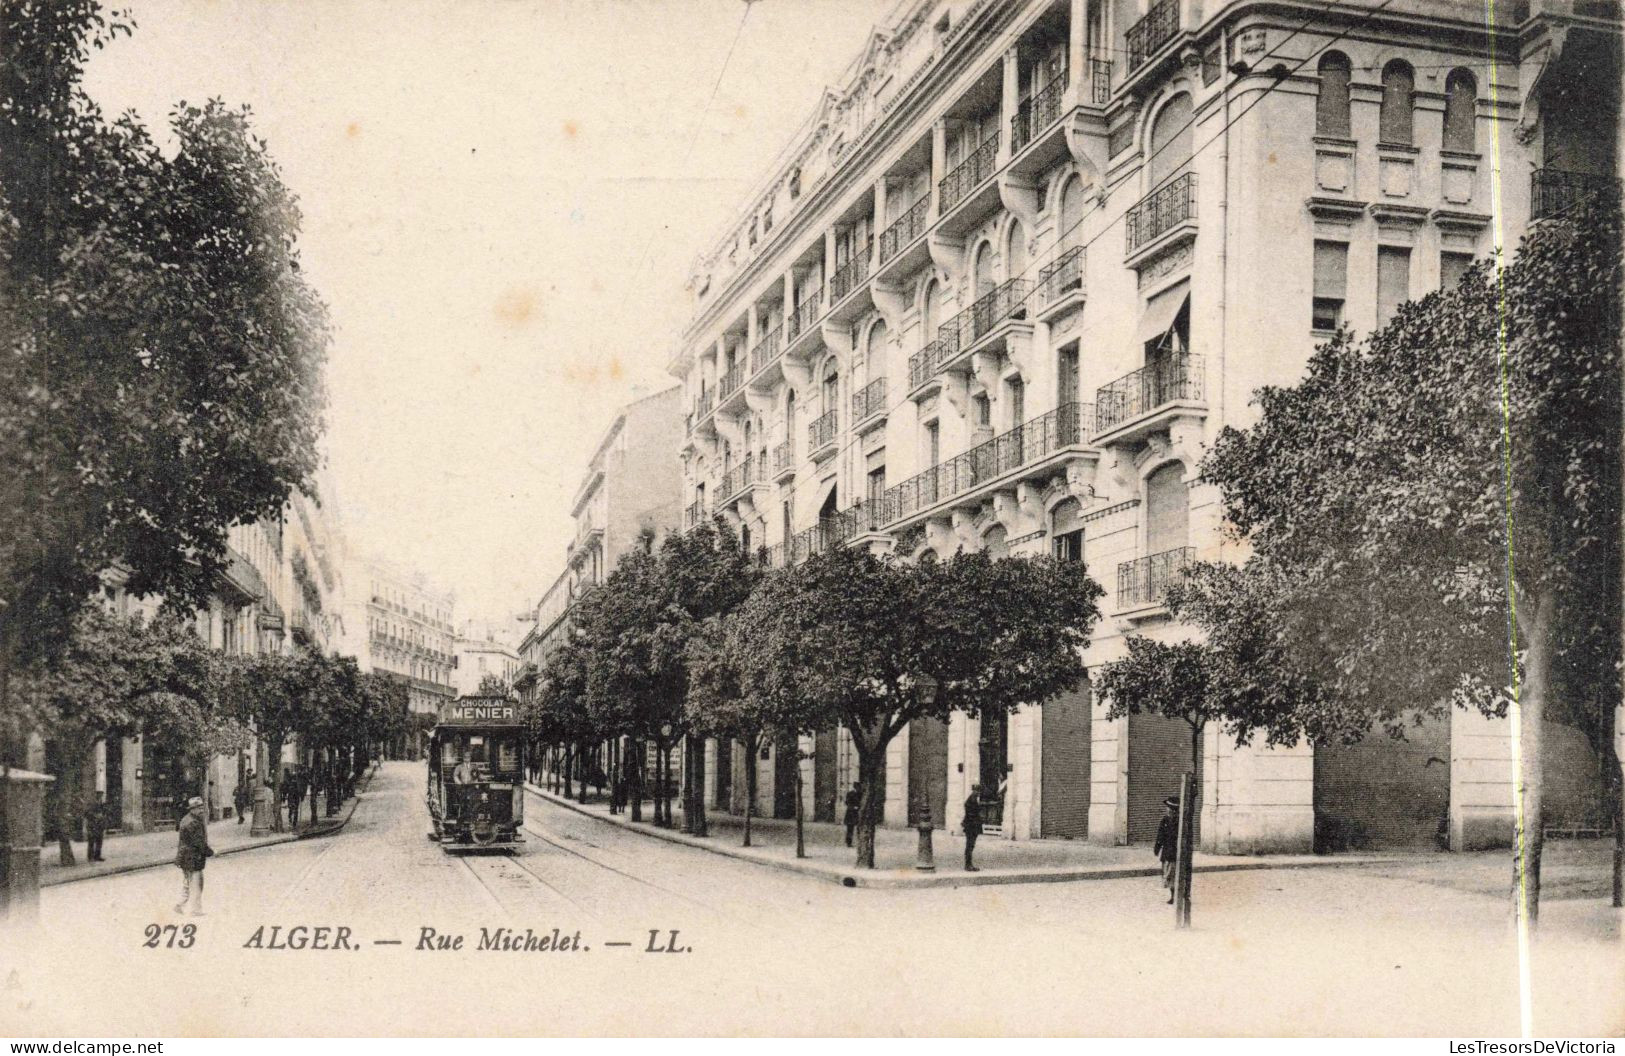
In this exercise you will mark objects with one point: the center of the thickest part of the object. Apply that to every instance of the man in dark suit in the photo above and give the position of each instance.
(1167, 846)
(95, 826)
(850, 818)
(973, 825)
(191, 855)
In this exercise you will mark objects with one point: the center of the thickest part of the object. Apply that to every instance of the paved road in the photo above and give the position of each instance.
(1324, 951)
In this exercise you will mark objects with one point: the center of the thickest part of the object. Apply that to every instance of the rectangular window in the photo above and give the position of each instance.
(933, 444)
(1069, 546)
(1452, 266)
(877, 486)
(1393, 281)
(1331, 284)
(984, 411)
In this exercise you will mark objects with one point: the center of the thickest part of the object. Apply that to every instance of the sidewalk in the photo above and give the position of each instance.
(148, 850)
(1000, 861)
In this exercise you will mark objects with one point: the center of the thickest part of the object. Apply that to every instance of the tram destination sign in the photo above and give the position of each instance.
(479, 711)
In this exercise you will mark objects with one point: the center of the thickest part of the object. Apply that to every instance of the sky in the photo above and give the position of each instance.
(502, 200)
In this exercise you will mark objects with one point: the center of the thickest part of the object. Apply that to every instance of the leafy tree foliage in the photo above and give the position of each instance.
(160, 352)
(492, 685)
(1435, 509)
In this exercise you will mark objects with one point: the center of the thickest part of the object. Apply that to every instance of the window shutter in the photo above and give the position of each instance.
(1331, 269)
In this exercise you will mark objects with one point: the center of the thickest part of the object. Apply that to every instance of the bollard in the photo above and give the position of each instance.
(924, 860)
(22, 807)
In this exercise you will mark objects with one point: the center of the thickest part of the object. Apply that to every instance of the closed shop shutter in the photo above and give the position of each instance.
(1065, 764)
(928, 768)
(1159, 752)
(1384, 794)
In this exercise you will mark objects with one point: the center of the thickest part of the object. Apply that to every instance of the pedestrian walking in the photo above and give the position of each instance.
(95, 827)
(1167, 846)
(853, 798)
(239, 800)
(973, 826)
(192, 853)
(293, 790)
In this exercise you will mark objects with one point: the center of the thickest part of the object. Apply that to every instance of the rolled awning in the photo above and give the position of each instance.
(1161, 311)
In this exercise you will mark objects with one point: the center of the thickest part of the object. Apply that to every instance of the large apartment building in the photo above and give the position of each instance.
(1022, 265)
(410, 635)
(627, 500)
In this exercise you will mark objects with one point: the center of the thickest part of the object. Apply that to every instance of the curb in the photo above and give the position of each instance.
(326, 829)
(896, 879)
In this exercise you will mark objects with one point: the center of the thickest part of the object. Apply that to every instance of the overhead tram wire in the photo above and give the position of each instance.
(1370, 14)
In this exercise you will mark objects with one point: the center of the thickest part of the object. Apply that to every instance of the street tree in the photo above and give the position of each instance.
(722, 702)
(492, 685)
(1440, 503)
(161, 371)
(276, 694)
(875, 645)
(119, 677)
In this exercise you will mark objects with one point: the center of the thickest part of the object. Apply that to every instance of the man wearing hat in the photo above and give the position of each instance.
(1167, 845)
(194, 851)
(972, 826)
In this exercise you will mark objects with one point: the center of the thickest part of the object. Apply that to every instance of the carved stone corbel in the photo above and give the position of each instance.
(985, 366)
(956, 390)
(892, 302)
(759, 402)
(965, 530)
(1081, 474)
(1020, 197)
(797, 375)
(948, 254)
(941, 537)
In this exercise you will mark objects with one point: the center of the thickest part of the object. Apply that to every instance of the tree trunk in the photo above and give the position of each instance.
(1529, 828)
(801, 836)
(67, 800)
(753, 746)
(635, 785)
(871, 802)
(700, 826)
(569, 789)
(581, 772)
(1614, 781)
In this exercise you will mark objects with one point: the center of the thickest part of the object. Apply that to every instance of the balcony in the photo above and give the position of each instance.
(732, 381)
(1169, 208)
(987, 315)
(1036, 113)
(821, 434)
(905, 230)
(740, 477)
(868, 402)
(804, 319)
(1143, 582)
(1150, 34)
(968, 174)
(930, 361)
(784, 461)
(1553, 192)
(1138, 403)
(1060, 283)
(702, 408)
(694, 513)
(1100, 78)
(767, 350)
(851, 275)
(1069, 425)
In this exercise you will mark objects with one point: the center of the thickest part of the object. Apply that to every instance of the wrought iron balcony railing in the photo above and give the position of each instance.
(928, 362)
(767, 349)
(1100, 73)
(806, 314)
(968, 174)
(1036, 113)
(851, 275)
(1147, 36)
(1062, 276)
(1145, 580)
(739, 478)
(1172, 203)
(1066, 425)
(1008, 300)
(731, 381)
(784, 457)
(868, 401)
(702, 407)
(905, 229)
(1553, 192)
(1167, 379)
(694, 513)
(821, 430)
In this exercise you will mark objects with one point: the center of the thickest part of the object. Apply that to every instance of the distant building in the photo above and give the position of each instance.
(483, 649)
(409, 631)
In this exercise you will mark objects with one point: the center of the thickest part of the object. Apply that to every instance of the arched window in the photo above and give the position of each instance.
(1460, 111)
(1015, 254)
(831, 386)
(931, 312)
(1332, 105)
(874, 350)
(994, 542)
(1071, 211)
(1066, 530)
(1394, 123)
(1171, 139)
(1167, 506)
(982, 272)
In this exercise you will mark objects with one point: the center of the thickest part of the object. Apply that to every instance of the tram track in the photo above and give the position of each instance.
(500, 871)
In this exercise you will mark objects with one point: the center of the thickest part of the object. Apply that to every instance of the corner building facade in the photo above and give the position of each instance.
(1024, 264)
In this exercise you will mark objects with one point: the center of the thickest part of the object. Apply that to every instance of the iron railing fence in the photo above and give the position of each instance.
(1172, 203)
(806, 314)
(767, 349)
(968, 174)
(1165, 380)
(868, 400)
(1062, 276)
(851, 275)
(1100, 71)
(1147, 36)
(1554, 192)
(1036, 113)
(928, 361)
(1008, 300)
(905, 229)
(821, 430)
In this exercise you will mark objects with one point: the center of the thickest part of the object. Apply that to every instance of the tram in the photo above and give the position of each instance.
(476, 790)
